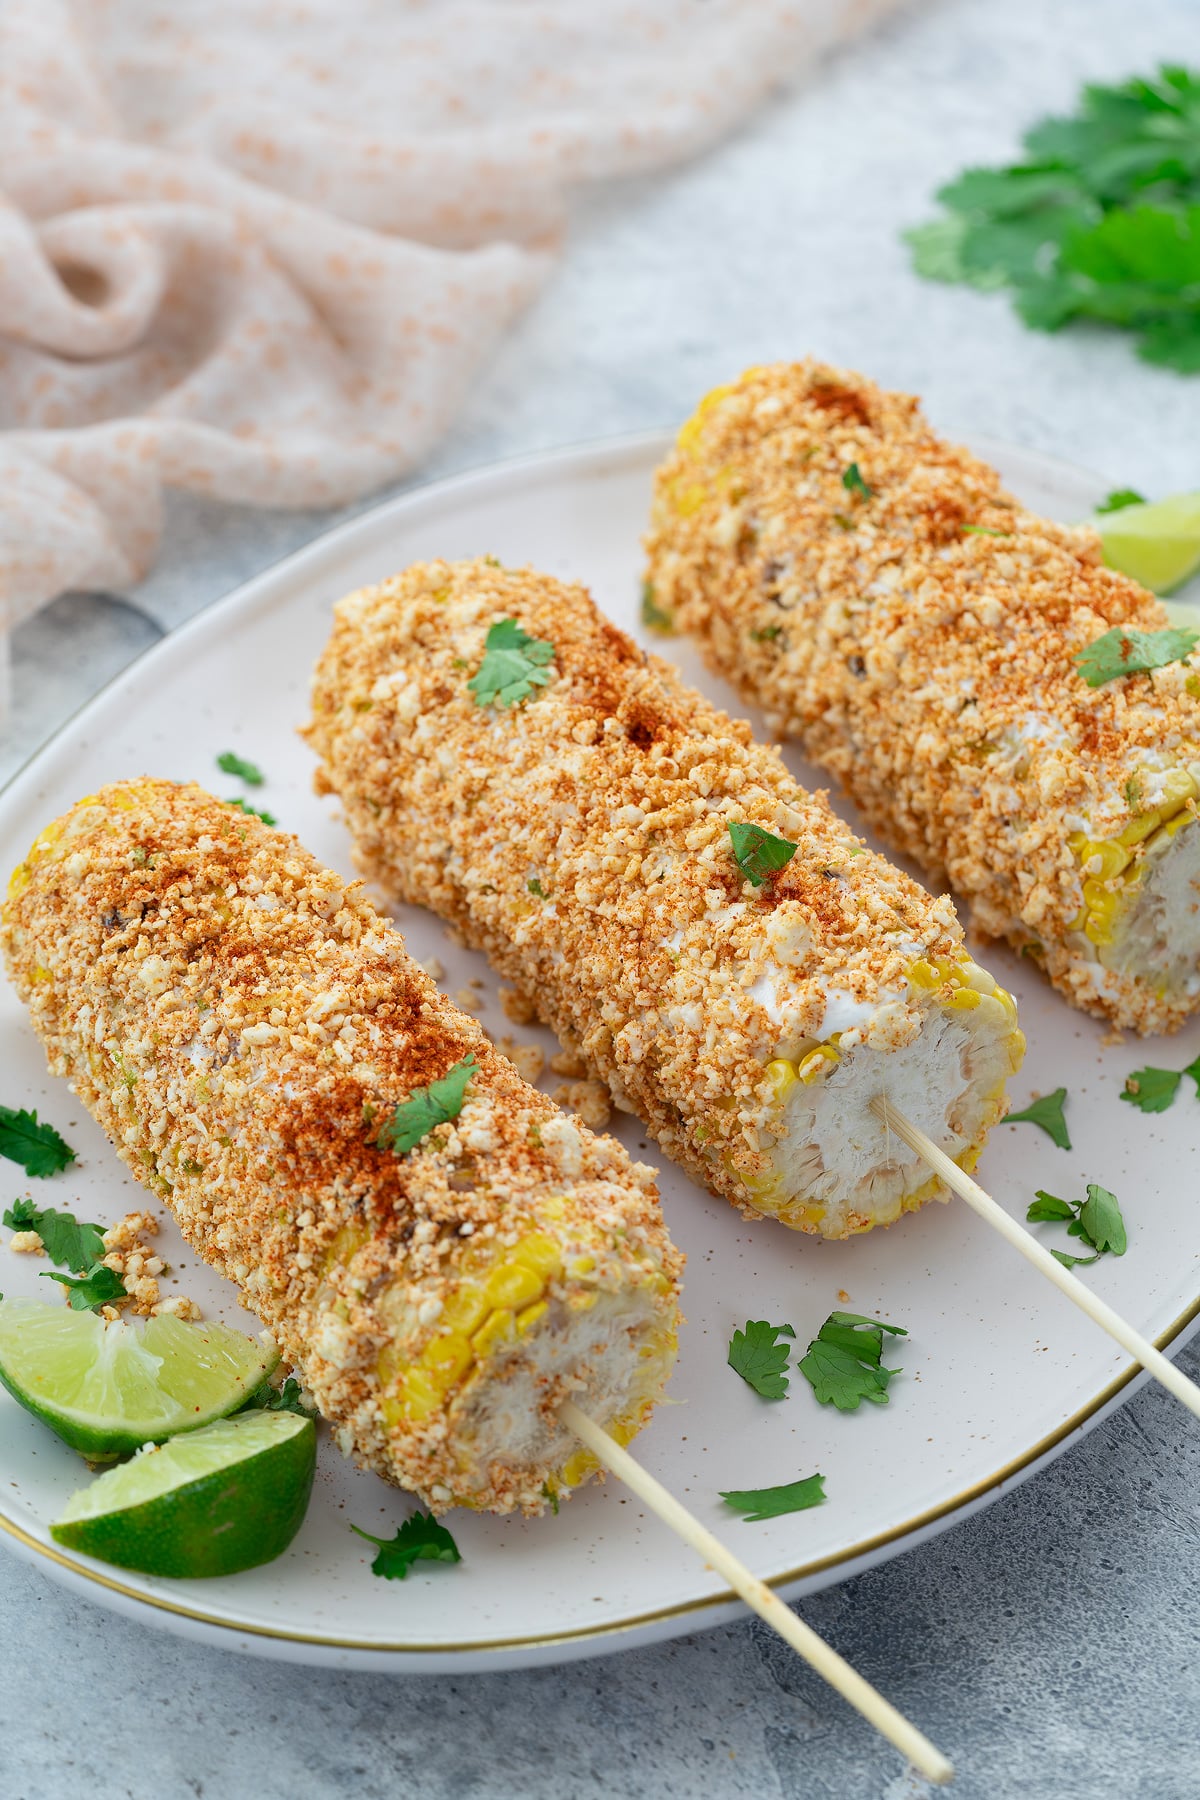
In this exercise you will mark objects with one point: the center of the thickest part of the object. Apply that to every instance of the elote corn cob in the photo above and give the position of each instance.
(884, 600)
(576, 826)
(254, 1039)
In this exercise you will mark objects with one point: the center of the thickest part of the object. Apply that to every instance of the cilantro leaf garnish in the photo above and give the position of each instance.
(1048, 1113)
(1152, 1090)
(419, 1539)
(426, 1108)
(230, 763)
(773, 1502)
(269, 1398)
(513, 665)
(852, 481)
(759, 854)
(535, 887)
(655, 617)
(1096, 1219)
(1119, 499)
(756, 1354)
(843, 1364)
(1098, 220)
(36, 1146)
(65, 1240)
(256, 812)
(96, 1288)
(1123, 651)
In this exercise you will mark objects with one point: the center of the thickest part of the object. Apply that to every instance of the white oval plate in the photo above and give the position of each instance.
(999, 1373)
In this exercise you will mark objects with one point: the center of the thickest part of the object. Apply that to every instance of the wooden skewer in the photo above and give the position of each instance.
(1140, 1348)
(911, 1743)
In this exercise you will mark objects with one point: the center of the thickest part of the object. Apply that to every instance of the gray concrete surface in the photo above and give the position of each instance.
(1050, 1645)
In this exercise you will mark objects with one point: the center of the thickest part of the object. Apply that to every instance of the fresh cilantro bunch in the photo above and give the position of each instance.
(426, 1108)
(1101, 220)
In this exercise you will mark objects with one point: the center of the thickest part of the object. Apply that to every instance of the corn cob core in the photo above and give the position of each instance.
(241, 1022)
(919, 639)
(580, 837)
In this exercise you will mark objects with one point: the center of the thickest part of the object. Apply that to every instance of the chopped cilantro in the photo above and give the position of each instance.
(852, 481)
(36, 1146)
(767, 634)
(758, 853)
(230, 763)
(256, 812)
(419, 1539)
(1119, 499)
(1152, 1090)
(66, 1241)
(984, 531)
(97, 1287)
(426, 1108)
(513, 665)
(550, 1495)
(535, 887)
(843, 1364)
(1096, 1219)
(1048, 1113)
(654, 617)
(1099, 220)
(1124, 651)
(773, 1502)
(756, 1354)
(269, 1398)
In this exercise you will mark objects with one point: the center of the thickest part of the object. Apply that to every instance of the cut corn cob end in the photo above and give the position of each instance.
(830, 1167)
(567, 1311)
(1139, 915)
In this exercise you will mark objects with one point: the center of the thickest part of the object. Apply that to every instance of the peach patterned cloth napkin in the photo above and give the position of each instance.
(258, 249)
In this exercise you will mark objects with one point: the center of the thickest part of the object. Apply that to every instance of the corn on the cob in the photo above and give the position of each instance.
(243, 1024)
(883, 599)
(580, 835)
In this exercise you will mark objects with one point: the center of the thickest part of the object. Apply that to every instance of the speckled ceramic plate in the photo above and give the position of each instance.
(999, 1372)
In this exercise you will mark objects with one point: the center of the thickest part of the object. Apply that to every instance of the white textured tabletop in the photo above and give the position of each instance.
(1050, 1645)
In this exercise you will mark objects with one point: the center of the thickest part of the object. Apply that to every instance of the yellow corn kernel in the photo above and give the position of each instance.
(1103, 861)
(922, 974)
(422, 1396)
(531, 1315)
(466, 1310)
(1139, 828)
(1097, 929)
(690, 499)
(577, 1466)
(963, 999)
(391, 1366)
(511, 1286)
(1016, 1051)
(345, 1245)
(539, 1253)
(582, 1302)
(581, 1265)
(1177, 822)
(554, 1208)
(447, 1355)
(1101, 902)
(495, 1330)
(782, 1076)
(1007, 1002)
(977, 979)
(1178, 789)
(817, 1064)
(1077, 842)
(689, 435)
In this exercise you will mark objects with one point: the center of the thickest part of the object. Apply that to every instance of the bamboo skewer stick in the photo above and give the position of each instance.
(911, 1743)
(1140, 1348)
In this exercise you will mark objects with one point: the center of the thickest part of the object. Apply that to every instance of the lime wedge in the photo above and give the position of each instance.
(109, 1388)
(1158, 544)
(214, 1501)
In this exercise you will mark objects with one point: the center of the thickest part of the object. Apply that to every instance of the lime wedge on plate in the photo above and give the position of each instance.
(109, 1388)
(212, 1502)
(1157, 543)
